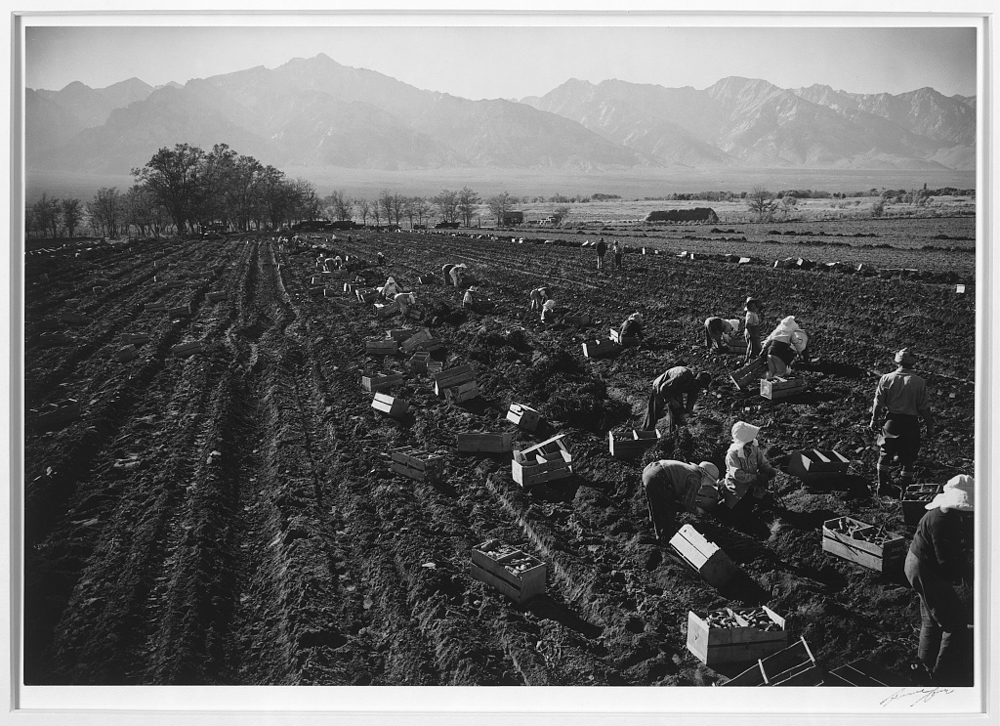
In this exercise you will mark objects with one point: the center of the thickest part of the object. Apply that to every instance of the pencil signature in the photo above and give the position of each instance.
(918, 695)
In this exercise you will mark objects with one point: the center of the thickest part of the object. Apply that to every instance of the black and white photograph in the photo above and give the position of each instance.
(638, 358)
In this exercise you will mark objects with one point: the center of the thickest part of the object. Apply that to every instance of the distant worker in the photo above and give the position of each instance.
(632, 327)
(751, 329)
(446, 273)
(469, 299)
(940, 559)
(720, 332)
(404, 301)
(390, 288)
(616, 250)
(673, 486)
(549, 311)
(902, 395)
(536, 297)
(785, 342)
(748, 472)
(674, 393)
(602, 248)
(338, 262)
(458, 274)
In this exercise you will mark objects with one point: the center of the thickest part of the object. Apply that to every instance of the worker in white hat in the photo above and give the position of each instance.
(390, 289)
(469, 299)
(782, 345)
(748, 472)
(902, 396)
(549, 311)
(939, 558)
(404, 300)
(672, 486)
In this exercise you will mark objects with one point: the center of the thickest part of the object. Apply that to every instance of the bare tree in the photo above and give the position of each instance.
(72, 215)
(468, 201)
(560, 213)
(761, 204)
(447, 205)
(385, 200)
(499, 205)
(421, 208)
(364, 209)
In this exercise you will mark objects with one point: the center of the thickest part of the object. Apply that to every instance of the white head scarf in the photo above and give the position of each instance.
(744, 433)
(958, 494)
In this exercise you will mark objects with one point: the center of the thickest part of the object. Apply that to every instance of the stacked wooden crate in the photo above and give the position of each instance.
(513, 572)
(393, 407)
(379, 382)
(417, 464)
(544, 462)
(456, 384)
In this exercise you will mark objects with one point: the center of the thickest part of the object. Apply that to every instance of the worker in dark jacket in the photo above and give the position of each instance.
(939, 558)
(676, 390)
(902, 395)
(602, 248)
(446, 273)
(672, 486)
(719, 332)
(632, 327)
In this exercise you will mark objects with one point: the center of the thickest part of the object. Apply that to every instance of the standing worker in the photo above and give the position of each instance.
(939, 558)
(670, 389)
(602, 247)
(751, 329)
(902, 394)
(616, 250)
(719, 332)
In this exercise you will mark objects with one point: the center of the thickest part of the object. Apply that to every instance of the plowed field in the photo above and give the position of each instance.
(231, 517)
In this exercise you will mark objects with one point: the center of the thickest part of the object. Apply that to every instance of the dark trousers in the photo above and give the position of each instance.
(660, 501)
(945, 641)
(656, 407)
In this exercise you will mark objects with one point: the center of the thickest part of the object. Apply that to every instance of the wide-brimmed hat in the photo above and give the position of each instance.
(958, 494)
(751, 301)
(904, 357)
(744, 433)
(709, 468)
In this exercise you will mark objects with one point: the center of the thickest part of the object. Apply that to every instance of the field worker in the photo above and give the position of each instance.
(469, 300)
(536, 297)
(390, 289)
(672, 486)
(549, 311)
(338, 262)
(602, 247)
(751, 329)
(748, 471)
(446, 273)
(404, 300)
(380, 257)
(670, 389)
(902, 395)
(632, 327)
(718, 332)
(616, 250)
(785, 342)
(939, 558)
(457, 273)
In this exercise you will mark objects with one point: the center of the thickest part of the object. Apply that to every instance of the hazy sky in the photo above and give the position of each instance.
(513, 62)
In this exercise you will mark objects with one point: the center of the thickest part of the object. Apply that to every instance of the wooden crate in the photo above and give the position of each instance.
(744, 644)
(706, 557)
(915, 499)
(181, 311)
(375, 382)
(819, 470)
(531, 466)
(862, 673)
(525, 417)
(782, 388)
(412, 343)
(126, 354)
(418, 361)
(490, 443)
(75, 318)
(633, 444)
(349, 287)
(392, 407)
(57, 414)
(185, 349)
(381, 347)
(217, 296)
(749, 374)
(462, 393)
(171, 284)
(366, 294)
(455, 376)
(157, 307)
(792, 666)
(399, 334)
(883, 556)
(623, 340)
(417, 463)
(384, 310)
(523, 581)
(434, 366)
(598, 348)
(135, 338)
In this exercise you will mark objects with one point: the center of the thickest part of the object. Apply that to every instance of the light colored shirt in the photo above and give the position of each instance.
(902, 392)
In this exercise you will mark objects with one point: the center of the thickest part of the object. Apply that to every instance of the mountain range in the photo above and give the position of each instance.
(317, 112)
